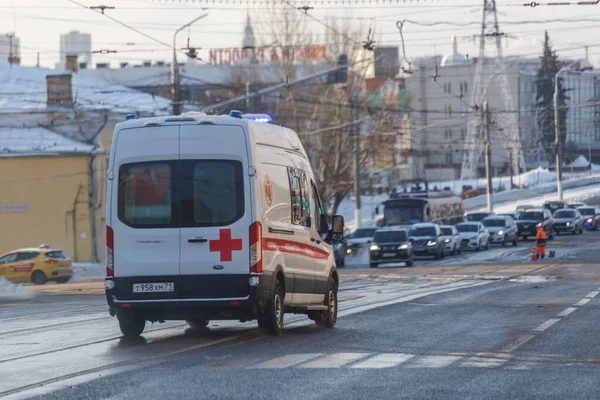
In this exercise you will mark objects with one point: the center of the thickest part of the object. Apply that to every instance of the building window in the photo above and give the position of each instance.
(448, 158)
(448, 133)
(463, 133)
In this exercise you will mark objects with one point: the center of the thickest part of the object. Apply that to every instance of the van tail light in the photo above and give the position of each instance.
(110, 247)
(256, 248)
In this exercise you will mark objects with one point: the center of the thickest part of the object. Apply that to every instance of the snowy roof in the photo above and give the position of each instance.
(24, 88)
(19, 142)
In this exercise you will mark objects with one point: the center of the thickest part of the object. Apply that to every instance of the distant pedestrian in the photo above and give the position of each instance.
(541, 242)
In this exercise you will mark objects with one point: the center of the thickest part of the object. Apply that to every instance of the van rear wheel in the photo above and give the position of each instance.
(132, 323)
(271, 318)
(328, 318)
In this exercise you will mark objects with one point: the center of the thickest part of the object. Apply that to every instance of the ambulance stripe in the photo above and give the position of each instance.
(290, 246)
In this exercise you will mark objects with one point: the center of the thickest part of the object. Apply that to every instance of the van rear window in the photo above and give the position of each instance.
(145, 195)
(213, 192)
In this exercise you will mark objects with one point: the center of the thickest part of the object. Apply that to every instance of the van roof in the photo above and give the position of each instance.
(264, 134)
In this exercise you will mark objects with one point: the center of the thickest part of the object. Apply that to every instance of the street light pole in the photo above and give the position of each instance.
(175, 69)
(557, 141)
(488, 156)
(357, 217)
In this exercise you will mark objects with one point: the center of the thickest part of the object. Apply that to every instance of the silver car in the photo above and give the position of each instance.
(452, 239)
(473, 236)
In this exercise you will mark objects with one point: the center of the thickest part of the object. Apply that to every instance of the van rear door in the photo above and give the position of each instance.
(144, 217)
(216, 211)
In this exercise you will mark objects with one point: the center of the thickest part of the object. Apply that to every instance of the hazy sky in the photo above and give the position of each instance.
(40, 22)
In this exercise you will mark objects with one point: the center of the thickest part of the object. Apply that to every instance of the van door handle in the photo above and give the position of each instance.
(197, 239)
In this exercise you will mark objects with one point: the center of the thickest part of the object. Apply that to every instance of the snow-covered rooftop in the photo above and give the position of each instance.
(24, 88)
(19, 142)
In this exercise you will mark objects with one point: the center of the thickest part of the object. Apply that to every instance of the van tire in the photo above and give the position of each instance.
(327, 319)
(38, 278)
(198, 324)
(132, 324)
(270, 319)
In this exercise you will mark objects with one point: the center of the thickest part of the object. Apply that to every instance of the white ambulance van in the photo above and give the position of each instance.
(215, 218)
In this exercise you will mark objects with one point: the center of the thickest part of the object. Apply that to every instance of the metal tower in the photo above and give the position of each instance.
(488, 71)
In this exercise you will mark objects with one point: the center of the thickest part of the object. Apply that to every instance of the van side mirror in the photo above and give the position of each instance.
(337, 228)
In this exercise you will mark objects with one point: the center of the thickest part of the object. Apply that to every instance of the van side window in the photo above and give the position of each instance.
(145, 194)
(318, 209)
(299, 197)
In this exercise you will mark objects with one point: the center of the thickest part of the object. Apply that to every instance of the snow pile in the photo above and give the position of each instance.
(13, 291)
(81, 271)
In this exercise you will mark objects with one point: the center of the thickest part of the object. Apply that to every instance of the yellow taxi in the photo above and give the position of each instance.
(37, 265)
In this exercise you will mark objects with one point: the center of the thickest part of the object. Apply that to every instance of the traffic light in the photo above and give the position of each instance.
(341, 75)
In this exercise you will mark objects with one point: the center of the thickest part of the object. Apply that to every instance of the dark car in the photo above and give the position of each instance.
(361, 238)
(514, 215)
(478, 216)
(391, 245)
(428, 240)
(568, 220)
(591, 217)
(528, 223)
(554, 205)
(340, 249)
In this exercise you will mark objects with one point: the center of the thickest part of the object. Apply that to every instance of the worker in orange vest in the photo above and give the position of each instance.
(541, 242)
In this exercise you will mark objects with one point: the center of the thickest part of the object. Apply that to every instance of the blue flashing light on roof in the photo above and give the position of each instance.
(130, 116)
(264, 118)
(235, 114)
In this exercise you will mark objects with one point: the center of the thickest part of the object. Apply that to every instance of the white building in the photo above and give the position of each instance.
(581, 105)
(440, 107)
(5, 48)
(78, 44)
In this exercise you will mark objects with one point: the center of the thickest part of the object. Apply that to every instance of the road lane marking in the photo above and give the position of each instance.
(582, 302)
(593, 294)
(518, 343)
(336, 360)
(384, 361)
(486, 360)
(435, 361)
(287, 361)
(546, 325)
(567, 311)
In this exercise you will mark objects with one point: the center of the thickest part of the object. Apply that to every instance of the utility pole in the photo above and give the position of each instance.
(175, 92)
(510, 165)
(557, 141)
(488, 155)
(357, 159)
(10, 36)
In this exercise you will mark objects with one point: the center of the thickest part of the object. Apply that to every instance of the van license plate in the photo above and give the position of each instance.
(153, 287)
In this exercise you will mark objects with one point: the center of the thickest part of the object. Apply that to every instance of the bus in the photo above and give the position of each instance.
(444, 208)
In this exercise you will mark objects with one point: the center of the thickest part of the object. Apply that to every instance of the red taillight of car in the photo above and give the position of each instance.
(50, 261)
(256, 248)
(110, 247)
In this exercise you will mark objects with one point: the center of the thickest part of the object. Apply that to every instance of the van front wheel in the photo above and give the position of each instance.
(132, 324)
(271, 318)
(328, 318)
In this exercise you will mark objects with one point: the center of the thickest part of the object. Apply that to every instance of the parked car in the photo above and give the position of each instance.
(575, 206)
(452, 239)
(568, 221)
(503, 230)
(478, 216)
(528, 223)
(514, 215)
(554, 205)
(391, 245)
(473, 236)
(359, 238)
(428, 240)
(591, 217)
(37, 265)
(525, 207)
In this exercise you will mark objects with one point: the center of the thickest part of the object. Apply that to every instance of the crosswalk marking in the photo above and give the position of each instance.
(386, 360)
(287, 361)
(435, 361)
(486, 360)
(334, 360)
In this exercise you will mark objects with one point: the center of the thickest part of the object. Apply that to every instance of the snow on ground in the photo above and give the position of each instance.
(13, 291)
(570, 195)
(82, 271)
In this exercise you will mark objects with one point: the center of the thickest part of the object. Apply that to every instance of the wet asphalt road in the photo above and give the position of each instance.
(483, 325)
